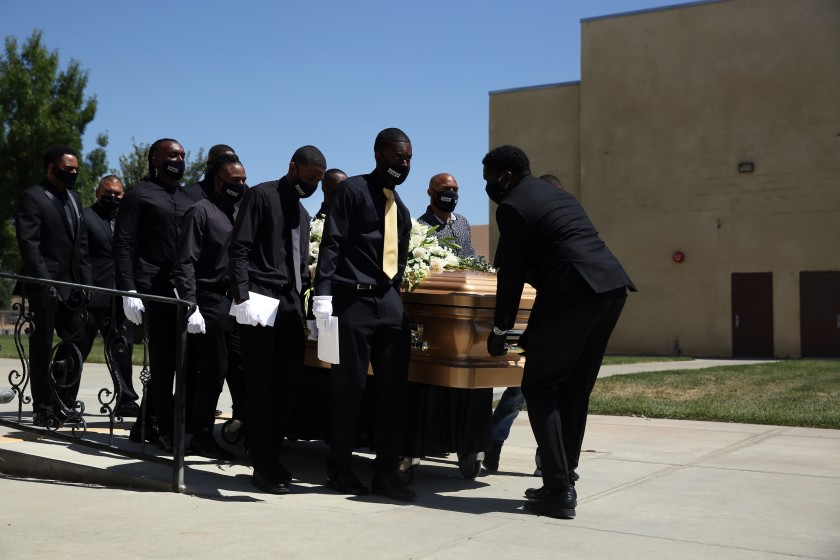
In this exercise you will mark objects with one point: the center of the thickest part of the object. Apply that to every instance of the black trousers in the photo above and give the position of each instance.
(215, 356)
(372, 330)
(50, 315)
(161, 322)
(565, 345)
(101, 320)
(272, 360)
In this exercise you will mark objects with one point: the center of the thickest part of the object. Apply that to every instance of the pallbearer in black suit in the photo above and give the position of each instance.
(361, 262)
(332, 178)
(269, 255)
(52, 239)
(204, 188)
(201, 276)
(547, 240)
(105, 311)
(145, 242)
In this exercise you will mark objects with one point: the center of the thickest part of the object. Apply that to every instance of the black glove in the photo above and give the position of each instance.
(496, 342)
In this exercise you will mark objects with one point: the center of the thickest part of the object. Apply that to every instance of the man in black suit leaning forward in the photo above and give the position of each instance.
(102, 311)
(52, 241)
(547, 240)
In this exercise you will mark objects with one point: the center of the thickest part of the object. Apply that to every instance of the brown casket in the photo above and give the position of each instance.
(451, 316)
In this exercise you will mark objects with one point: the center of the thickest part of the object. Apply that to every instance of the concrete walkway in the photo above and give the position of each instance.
(649, 489)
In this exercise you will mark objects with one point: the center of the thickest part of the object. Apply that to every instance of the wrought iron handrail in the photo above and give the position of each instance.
(183, 310)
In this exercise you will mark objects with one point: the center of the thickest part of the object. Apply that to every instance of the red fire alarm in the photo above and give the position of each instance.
(678, 257)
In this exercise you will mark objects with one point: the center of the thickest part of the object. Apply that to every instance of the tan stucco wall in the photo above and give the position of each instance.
(670, 102)
(545, 122)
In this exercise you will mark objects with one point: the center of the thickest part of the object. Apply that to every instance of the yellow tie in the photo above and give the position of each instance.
(389, 249)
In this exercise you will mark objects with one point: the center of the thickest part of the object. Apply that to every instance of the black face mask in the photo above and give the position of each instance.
(303, 189)
(233, 191)
(394, 174)
(110, 203)
(446, 200)
(495, 190)
(174, 168)
(67, 178)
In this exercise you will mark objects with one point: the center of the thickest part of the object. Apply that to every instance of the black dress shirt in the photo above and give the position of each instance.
(351, 246)
(199, 191)
(547, 240)
(202, 262)
(260, 248)
(146, 236)
(458, 228)
(100, 237)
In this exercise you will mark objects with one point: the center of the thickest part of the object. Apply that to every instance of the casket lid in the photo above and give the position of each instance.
(462, 288)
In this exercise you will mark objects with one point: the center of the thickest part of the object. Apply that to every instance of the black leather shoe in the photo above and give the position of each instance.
(491, 457)
(393, 488)
(205, 445)
(559, 503)
(542, 492)
(346, 483)
(269, 484)
(166, 442)
(127, 410)
(152, 432)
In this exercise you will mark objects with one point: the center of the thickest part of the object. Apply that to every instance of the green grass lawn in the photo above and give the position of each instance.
(785, 393)
(615, 360)
(97, 353)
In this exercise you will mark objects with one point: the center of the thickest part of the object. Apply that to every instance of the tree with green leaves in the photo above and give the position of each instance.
(134, 166)
(40, 105)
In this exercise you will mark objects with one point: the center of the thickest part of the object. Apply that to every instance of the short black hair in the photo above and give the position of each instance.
(55, 153)
(155, 145)
(306, 155)
(220, 162)
(218, 150)
(508, 158)
(389, 136)
(334, 171)
(552, 180)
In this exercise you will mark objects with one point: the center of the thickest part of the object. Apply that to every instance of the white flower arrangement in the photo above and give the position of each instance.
(426, 253)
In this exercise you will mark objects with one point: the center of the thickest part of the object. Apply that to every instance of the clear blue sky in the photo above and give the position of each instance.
(267, 77)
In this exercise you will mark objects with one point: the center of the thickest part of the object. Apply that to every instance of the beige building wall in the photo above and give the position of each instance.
(670, 102)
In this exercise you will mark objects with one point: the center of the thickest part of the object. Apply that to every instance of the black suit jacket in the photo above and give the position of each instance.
(49, 247)
(100, 248)
(547, 240)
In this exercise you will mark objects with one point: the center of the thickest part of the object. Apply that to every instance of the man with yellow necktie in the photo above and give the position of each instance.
(361, 260)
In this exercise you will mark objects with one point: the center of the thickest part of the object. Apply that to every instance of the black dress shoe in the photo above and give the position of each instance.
(205, 445)
(542, 492)
(269, 484)
(346, 483)
(559, 503)
(152, 432)
(392, 487)
(127, 410)
(166, 442)
(491, 457)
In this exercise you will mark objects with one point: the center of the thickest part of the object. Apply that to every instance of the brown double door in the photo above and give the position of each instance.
(752, 314)
(819, 308)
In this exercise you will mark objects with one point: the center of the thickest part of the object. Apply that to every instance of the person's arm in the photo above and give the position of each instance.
(28, 230)
(466, 243)
(305, 277)
(188, 252)
(514, 240)
(242, 239)
(336, 229)
(125, 238)
(85, 267)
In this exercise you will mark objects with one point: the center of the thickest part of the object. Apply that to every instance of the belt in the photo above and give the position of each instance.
(221, 289)
(374, 288)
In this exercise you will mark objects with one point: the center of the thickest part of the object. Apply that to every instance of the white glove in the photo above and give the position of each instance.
(244, 314)
(322, 309)
(195, 323)
(133, 308)
(312, 325)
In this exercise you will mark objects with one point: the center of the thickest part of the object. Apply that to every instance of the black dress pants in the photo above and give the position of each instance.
(161, 321)
(216, 357)
(372, 330)
(100, 320)
(51, 314)
(272, 360)
(564, 349)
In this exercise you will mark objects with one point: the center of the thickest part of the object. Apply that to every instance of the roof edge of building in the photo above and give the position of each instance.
(543, 86)
(649, 10)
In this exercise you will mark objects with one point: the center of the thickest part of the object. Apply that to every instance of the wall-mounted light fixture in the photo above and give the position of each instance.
(746, 167)
(678, 257)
